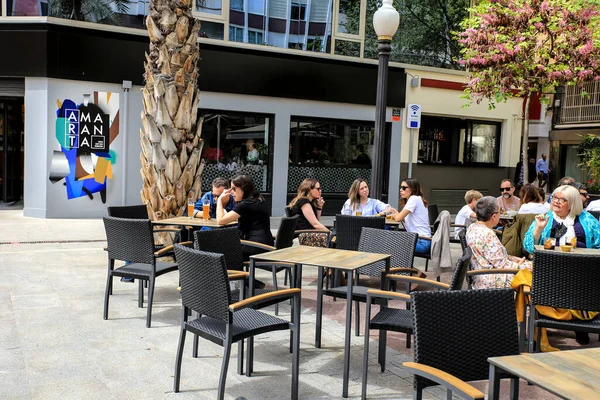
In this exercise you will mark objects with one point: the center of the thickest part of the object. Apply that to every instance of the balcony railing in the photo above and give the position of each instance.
(578, 108)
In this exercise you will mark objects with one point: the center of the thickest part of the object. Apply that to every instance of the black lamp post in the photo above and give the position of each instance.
(385, 21)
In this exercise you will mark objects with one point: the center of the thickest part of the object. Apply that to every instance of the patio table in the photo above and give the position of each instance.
(195, 222)
(344, 260)
(573, 374)
(576, 250)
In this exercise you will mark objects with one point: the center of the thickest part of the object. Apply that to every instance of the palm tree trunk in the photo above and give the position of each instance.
(171, 135)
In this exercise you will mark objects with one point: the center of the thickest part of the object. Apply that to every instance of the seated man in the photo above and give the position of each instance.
(467, 212)
(218, 186)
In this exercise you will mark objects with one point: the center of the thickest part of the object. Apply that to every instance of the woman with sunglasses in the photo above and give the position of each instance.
(360, 202)
(414, 213)
(308, 205)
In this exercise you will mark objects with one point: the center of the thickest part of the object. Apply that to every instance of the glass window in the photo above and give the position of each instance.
(236, 5)
(255, 37)
(209, 6)
(349, 17)
(298, 12)
(212, 30)
(236, 33)
(458, 141)
(347, 48)
(236, 143)
(332, 151)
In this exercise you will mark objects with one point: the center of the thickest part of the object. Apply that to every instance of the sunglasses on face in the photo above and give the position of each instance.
(584, 194)
(404, 187)
(505, 189)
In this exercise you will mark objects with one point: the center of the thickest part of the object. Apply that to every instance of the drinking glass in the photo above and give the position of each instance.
(206, 209)
(190, 206)
(359, 213)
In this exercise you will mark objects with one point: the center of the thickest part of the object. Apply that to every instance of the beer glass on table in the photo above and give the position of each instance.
(206, 210)
(190, 207)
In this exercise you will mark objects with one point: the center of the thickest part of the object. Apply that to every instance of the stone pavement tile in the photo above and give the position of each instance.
(89, 388)
(14, 384)
(36, 301)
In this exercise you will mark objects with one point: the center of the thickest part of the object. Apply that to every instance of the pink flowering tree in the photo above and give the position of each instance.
(518, 47)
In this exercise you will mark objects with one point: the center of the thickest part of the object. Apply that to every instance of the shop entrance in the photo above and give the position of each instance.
(11, 149)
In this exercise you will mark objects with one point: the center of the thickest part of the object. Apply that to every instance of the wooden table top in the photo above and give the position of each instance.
(322, 257)
(572, 374)
(186, 221)
(575, 250)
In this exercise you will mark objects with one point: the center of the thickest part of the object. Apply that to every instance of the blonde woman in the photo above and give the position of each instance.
(359, 201)
(308, 205)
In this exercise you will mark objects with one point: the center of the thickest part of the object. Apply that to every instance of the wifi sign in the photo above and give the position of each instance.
(413, 120)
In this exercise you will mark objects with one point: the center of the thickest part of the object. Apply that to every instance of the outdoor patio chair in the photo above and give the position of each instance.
(401, 247)
(401, 319)
(131, 240)
(564, 280)
(205, 290)
(349, 228)
(455, 334)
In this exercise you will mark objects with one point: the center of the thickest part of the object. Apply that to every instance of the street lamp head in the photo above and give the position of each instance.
(386, 20)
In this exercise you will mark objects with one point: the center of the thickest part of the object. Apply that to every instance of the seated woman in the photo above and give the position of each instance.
(531, 200)
(488, 252)
(359, 201)
(251, 211)
(414, 213)
(308, 205)
(566, 210)
(567, 222)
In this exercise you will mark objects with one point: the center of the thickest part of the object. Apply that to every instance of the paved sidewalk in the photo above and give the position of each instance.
(54, 343)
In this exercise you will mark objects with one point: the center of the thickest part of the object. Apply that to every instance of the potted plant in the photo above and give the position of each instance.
(589, 154)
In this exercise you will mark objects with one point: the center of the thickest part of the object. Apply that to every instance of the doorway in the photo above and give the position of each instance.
(12, 113)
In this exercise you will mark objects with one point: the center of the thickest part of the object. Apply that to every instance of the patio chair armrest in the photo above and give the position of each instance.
(386, 294)
(457, 226)
(414, 279)
(263, 298)
(397, 270)
(492, 271)
(424, 238)
(312, 231)
(234, 275)
(257, 245)
(156, 229)
(167, 249)
(440, 377)
(105, 248)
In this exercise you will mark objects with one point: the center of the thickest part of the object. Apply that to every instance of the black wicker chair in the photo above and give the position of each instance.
(399, 319)
(349, 228)
(456, 332)
(434, 212)
(401, 246)
(131, 240)
(205, 290)
(564, 280)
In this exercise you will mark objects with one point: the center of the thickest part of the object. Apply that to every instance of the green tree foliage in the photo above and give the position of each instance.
(424, 36)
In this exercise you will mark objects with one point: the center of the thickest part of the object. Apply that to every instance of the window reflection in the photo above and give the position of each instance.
(209, 6)
(26, 8)
(334, 152)
(457, 141)
(236, 143)
(212, 30)
(349, 17)
(302, 26)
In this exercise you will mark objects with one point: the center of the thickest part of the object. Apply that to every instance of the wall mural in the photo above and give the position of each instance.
(85, 133)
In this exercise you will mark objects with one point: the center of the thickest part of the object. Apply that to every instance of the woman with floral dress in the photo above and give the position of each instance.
(488, 251)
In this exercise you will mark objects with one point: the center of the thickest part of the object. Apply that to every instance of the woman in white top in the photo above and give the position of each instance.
(359, 201)
(415, 214)
(531, 200)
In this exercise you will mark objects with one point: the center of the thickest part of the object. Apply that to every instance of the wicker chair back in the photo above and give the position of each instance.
(349, 229)
(204, 284)
(401, 245)
(564, 280)
(285, 233)
(138, 211)
(129, 239)
(456, 331)
(460, 273)
(462, 238)
(434, 212)
(224, 241)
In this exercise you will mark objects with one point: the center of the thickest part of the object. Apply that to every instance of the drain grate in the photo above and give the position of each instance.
(55, 241)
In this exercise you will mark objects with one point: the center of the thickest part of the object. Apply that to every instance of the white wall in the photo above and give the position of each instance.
(45, 199)
(446, 102)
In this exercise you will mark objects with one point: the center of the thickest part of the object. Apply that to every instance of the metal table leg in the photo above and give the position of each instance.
(319, 321)
(494, 383)
(348, 334)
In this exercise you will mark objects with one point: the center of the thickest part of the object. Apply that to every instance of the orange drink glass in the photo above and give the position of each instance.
(190, 209)
(206, 210)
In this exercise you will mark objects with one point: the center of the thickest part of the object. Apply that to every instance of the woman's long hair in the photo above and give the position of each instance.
(415, 190)
(303, 191)
(529, 194)
(353, 193)
(245, 183)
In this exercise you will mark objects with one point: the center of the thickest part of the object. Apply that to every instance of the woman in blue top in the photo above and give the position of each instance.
(358, 200)
(566, 209)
